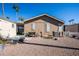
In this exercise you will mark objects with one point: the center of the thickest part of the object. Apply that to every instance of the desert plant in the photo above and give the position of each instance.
(3, 41)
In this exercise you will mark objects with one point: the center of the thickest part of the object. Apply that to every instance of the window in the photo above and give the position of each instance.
(12, 25)
(47, 27)
(33, 26)
(60, 28)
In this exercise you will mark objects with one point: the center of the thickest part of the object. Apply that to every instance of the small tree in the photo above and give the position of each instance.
(21, 18)
(8, 17)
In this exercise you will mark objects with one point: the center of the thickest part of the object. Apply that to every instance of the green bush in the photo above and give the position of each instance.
(3, 41)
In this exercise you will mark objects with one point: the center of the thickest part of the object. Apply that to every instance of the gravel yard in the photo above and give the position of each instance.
(36, 46)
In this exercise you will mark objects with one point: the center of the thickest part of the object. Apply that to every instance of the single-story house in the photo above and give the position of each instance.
(7, 28)
(71, 30)
(43, 25)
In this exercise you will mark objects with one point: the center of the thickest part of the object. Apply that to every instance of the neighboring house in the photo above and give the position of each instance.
(71, 30)
(20, 28)
(7, 28)
(43, 24)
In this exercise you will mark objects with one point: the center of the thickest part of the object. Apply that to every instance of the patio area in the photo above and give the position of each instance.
(37, 46)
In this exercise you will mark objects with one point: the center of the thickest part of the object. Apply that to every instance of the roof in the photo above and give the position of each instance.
(42, 16)
(7, 20)
(72, 24)
(20, 24)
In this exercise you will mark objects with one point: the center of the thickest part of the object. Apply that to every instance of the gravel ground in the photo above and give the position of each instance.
(36, 46)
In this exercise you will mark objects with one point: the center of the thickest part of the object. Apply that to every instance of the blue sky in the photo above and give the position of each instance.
(62, 11)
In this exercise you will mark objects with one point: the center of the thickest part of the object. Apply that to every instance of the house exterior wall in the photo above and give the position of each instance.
(72, 28)
(7, 29)
(40, 27)
(20, 28)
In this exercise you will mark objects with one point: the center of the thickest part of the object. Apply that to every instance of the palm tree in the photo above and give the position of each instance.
(16, 8)
(3, 15)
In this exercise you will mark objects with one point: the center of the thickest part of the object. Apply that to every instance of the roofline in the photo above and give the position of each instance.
(72, 24)
(7, 20)
(55, 18)
(42, 15)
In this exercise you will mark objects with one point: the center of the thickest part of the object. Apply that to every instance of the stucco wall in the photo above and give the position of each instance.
(6, 28)
(72, 28)
(40, 27)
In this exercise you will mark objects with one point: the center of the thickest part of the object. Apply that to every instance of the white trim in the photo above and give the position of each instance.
(33, 26)
(47, 27)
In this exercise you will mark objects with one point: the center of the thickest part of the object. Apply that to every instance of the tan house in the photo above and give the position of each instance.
(43, 24)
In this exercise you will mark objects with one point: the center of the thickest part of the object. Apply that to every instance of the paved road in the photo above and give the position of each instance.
(37, 46)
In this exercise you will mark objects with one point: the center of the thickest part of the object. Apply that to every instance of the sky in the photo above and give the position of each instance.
(62, 11)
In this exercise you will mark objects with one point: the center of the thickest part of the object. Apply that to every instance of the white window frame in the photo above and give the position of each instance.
(33, 26)
(47, 27)
(13, 25)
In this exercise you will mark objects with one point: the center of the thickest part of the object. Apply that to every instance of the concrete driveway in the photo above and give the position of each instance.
(36, 46)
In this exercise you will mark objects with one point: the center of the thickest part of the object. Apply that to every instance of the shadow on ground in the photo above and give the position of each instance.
(64, 47)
